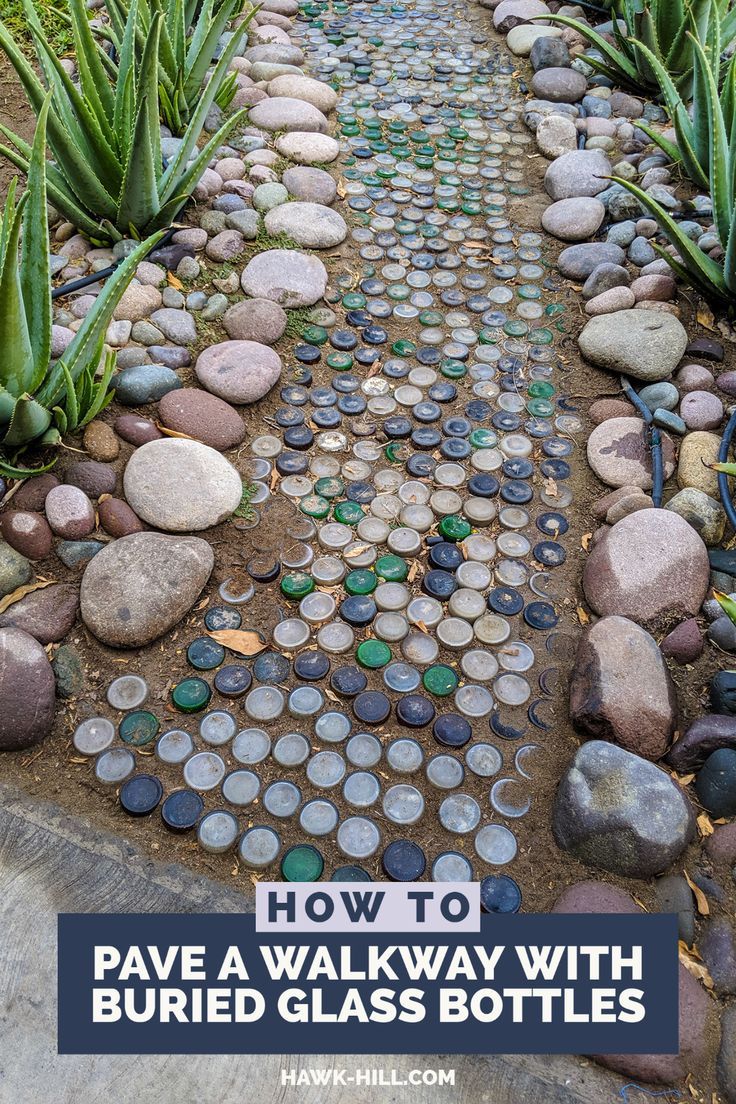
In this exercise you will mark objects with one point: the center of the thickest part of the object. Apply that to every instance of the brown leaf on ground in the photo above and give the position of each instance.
(238, 640)
(705, 826)
(700, 898)
(693, 963)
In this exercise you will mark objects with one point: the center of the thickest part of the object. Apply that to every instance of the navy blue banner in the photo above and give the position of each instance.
(209, 984)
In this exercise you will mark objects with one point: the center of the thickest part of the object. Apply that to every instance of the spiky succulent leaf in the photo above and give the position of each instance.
(35, 275)
(17, 368)
(727, 604)
(700, 269)
(30, 420)
(84, 351)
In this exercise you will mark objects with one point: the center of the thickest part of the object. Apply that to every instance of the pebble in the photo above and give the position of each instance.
(618, 452)
(697, 451)
(559, 84)
(575, 219)
(47, 614)
(117, 518)
(238, 371)
(310, 185)
(135, 430)
(694, 377)
(715, 785)
(181, 486)
(286, 277)
(308, 149)
(615, 299)
(547, 53)
(310, 91)
(259, 320)
(660, 396)
(647, 345)
(701, 410)
(144, 383)
(717, 946)
(577, 173)
(203, 417)
(308, 224)
(225, 246)
(68, 672)
(25, 719)
(621, 813)
(705, 514)
(685, 643)
(621, 690)
(27, 532)
(100, 442)
(140, 586)
(521, 38)
(705, 735)
(605, 277)
(31, 495)
(69, 512)
(651, 566)
(285, 113)
(675, 895)
(556, 134)
(90, 476)
(268, 196)
(578, 261)
(74, 553)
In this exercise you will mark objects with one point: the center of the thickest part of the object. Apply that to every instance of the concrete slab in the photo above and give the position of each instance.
(52, 862)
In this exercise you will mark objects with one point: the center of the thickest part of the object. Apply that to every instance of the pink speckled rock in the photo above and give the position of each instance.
(701, 410)
(69, 512)
(654, 287)
(694, 377)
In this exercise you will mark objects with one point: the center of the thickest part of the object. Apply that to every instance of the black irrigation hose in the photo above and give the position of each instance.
(655, 441)
(93, 277)
(723, 488)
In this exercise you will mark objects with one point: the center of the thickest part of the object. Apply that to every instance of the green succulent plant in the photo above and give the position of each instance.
(40, 399)
(107, 176)
(707, 145)
(188, 37)
(653, 28)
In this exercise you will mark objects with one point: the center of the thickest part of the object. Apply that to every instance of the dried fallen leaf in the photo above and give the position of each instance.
(341, 188)
(700, 898)
(422, 627)
(358, 550)
(11, 599)
(582, 616)
(173, 433)
(705, 825)
(174, 281)
(585, 541)
(706, 317)
(240, 641)
(550, 487)
(692, 962)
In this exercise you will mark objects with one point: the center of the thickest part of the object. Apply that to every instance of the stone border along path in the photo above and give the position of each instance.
(419, 456)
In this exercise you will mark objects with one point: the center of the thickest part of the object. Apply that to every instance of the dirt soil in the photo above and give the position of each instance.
(55, 772)
(14, 114)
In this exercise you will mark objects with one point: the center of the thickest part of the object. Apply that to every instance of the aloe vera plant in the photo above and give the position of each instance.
(653, 28)
(107, 176)
(708, 144)
(39, 399)
(184, 57)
